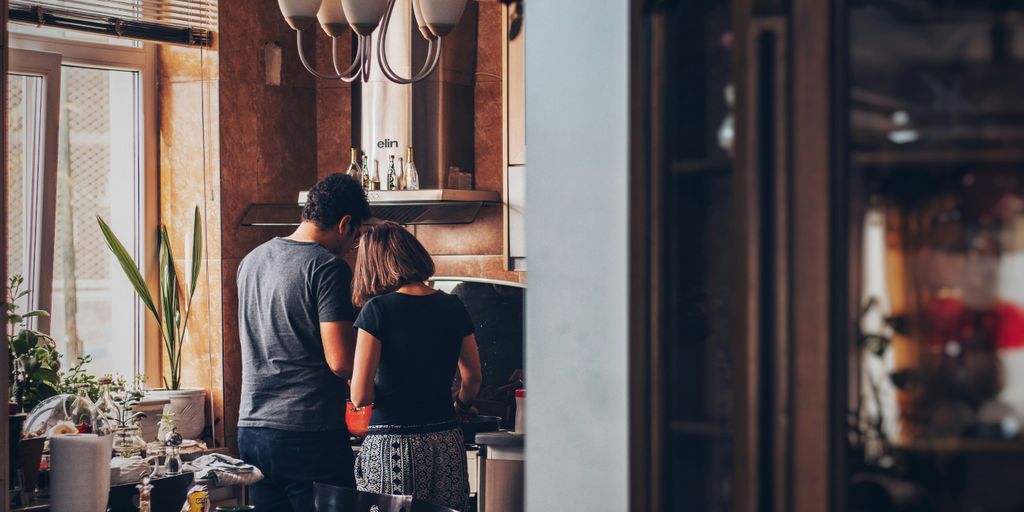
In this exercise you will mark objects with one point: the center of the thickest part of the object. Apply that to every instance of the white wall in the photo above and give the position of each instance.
(576, 209)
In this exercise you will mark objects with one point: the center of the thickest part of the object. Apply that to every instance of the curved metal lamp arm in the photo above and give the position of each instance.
(366, 57)
(429, 65)
(324, 76)
(352, 73)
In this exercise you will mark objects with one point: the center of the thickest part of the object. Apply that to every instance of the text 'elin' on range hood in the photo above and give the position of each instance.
(409, 207)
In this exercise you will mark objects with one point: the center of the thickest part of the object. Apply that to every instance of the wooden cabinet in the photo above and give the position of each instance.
(514, 82)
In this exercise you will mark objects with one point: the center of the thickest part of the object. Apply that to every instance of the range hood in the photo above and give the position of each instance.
(409, 207)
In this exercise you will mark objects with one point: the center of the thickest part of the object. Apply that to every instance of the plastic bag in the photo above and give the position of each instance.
(198, 499)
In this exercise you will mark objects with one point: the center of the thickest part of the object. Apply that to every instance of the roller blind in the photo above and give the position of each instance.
(191, 22)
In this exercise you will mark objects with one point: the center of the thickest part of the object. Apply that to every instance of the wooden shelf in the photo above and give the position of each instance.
(965, 446)
(938, 157)
(711, 429)
(702, 166)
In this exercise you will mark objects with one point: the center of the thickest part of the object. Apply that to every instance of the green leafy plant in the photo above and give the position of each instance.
(169, 313)
(76, 375)
(34, 362)
(125, 397)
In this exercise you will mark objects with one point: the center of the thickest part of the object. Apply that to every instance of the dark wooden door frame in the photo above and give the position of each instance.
(4, 385)
(787, 434)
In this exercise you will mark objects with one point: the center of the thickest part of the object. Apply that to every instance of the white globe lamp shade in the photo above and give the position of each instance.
(420, 22)
(364, 15)
(332, 18)
(441, 16)
(299, 13)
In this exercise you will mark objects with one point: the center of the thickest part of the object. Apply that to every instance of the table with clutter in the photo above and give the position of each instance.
(76, 455)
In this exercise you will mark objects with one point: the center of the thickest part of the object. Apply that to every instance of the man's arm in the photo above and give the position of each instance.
(339, 340)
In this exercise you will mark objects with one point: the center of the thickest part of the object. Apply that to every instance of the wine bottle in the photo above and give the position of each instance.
(392, 177)
(353, 168)
(375, 179)
(412, 176)
(366, 174)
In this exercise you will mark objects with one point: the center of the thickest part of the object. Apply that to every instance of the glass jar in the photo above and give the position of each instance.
(105, 406)
(128, 441)
(80, 410)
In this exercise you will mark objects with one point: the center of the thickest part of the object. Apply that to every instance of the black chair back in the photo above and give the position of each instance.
(426, 506)
(331, 498)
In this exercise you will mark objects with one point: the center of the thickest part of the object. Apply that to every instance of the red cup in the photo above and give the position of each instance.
(358, 419)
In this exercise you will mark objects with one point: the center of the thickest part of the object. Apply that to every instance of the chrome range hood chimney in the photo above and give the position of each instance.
(408, 207)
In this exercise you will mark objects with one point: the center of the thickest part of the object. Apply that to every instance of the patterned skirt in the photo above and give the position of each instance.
(424, 462)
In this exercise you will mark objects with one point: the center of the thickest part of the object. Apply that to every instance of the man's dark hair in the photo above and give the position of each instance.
(334, 197)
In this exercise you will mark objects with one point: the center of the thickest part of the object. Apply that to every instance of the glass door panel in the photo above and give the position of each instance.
(24, 171)
(33, 96)
(99, 174)
(935, 103)
(697, 260)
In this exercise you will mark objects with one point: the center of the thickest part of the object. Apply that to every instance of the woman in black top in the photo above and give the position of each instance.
(410, 342)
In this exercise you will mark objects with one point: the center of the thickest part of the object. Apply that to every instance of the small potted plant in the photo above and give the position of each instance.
(34, 364)
(127, 433)
(171, 313)
(34, 369)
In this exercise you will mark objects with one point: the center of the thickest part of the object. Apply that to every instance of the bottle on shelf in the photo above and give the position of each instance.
(412, 176)
(375, 179)
(392, 178)
(400, 173)
(353, 168)
(366, 173)
(145, 495)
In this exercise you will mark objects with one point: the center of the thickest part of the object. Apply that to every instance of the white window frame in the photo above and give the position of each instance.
(39, 190)
(138, 58)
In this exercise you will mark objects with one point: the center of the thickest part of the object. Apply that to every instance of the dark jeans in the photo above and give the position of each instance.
(291, 461)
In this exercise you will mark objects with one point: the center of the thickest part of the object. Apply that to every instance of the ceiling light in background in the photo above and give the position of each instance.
(435, 19)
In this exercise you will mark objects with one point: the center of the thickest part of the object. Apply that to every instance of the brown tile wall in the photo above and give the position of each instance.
(190, 177)
(476, 250)
(266, 143)
(270, 136)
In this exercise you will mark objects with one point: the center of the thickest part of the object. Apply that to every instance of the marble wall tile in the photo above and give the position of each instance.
(246, 26)
(202, 351)
(186, 64)
(333, 130)
(489, 40)
(483, 237)
(490, 267)
(232, 359)
(489, 134)
(189, 147)
(268, 154)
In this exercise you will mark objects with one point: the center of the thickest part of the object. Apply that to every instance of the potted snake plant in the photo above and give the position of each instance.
(171, 312)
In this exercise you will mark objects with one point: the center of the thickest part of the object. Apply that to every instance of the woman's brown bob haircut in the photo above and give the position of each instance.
(389, 257)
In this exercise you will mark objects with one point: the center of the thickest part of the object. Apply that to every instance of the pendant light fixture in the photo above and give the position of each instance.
(435, 19)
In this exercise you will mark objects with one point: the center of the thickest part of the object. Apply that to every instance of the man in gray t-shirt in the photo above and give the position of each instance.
(295, 319)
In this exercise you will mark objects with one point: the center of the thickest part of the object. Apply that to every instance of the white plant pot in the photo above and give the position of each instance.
(152, 407)
(188, 407)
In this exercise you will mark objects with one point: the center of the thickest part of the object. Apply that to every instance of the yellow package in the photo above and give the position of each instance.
(198, 499)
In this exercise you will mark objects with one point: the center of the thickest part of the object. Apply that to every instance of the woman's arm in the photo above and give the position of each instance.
(365, 368)
(469, 370)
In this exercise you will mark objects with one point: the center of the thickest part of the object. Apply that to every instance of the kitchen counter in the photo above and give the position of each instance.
(500, 470)
(501, 439)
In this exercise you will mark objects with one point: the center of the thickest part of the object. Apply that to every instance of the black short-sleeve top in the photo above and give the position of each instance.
(421, 337)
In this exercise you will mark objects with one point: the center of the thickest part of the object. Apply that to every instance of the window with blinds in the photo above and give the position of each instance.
(189, 22)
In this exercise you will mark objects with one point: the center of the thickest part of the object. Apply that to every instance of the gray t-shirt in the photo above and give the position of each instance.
(285, 289)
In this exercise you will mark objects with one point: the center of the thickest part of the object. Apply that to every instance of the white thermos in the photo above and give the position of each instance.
(521, 411)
